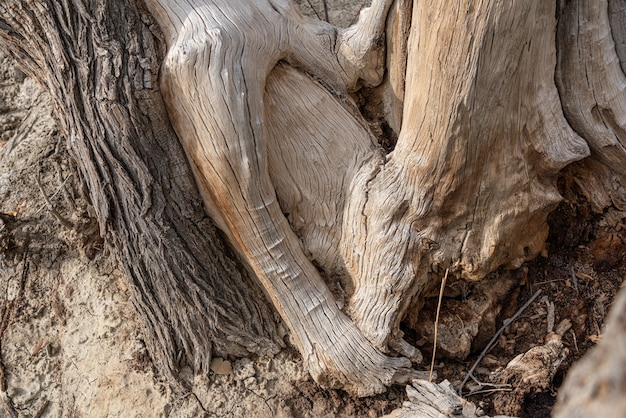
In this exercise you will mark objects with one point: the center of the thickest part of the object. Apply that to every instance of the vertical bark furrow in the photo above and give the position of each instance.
(617, 18)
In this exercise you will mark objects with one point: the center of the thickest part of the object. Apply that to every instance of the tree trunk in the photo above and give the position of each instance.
(101, 62)
(262, 102)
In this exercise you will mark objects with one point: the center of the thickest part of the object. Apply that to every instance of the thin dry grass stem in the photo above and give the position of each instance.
(66, 223)
(325, 4)
(575, 342)
(432, 361)
(54, 194)
(491, 391)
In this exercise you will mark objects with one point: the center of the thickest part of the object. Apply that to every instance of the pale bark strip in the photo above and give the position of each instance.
(592, 86)
(100, 62)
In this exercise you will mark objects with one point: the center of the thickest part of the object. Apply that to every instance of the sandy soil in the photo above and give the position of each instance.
(71, 344)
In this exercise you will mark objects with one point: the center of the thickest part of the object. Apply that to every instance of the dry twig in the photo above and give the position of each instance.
(489, 345)
(66, 223)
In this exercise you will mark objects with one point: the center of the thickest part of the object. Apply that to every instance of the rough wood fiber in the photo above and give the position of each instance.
(100, 62)
(214, 78)
(432, 400)
(592, 85)
(328, 144)
(482, 140)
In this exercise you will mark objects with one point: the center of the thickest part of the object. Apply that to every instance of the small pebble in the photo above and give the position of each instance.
(221, 366)
(250, 382)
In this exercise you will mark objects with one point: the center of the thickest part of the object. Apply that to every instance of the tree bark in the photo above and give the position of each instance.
(100, 61)
(591, 78)
(592, 85)
(481, 143)
(262, 102)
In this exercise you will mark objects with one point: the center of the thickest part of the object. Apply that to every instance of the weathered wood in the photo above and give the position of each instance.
(591, 77)
(482, 140)
(387, 100)
(529, 373)
(592, 86)
(438, 200)
(260, 100)
(435, 400)
(214, 79)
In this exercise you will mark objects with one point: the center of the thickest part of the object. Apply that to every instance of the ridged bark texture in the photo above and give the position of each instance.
(100, 60)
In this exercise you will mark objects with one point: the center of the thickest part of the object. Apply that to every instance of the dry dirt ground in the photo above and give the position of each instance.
(70, 344)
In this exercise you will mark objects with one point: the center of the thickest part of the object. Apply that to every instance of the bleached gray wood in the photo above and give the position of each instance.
(435, 400)
(388, 98)
(214, 78)
(451, 195)
(473, 175)
(592, 85)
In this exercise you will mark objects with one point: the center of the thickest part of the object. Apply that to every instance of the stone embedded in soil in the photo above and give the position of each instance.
(221, 366)
(244, 368)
